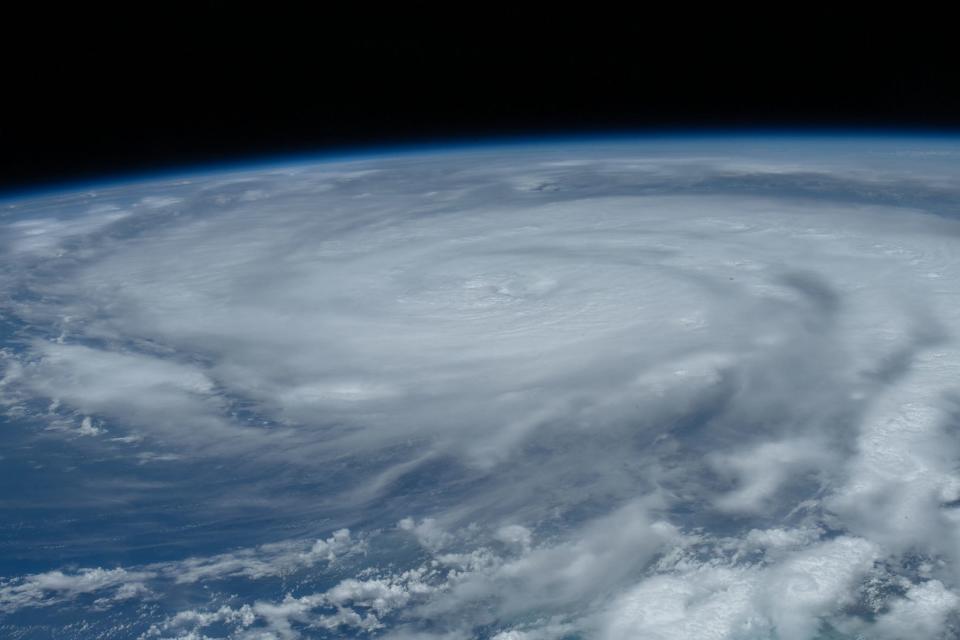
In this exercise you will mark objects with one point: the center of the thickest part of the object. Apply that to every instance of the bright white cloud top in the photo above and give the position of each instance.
(655, 390)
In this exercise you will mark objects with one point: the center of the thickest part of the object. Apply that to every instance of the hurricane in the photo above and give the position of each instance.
(656, 388)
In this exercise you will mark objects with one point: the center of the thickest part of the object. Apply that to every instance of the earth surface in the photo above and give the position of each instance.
(659, 389)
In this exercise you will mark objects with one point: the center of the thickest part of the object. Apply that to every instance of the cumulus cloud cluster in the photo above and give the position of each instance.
(686, 391)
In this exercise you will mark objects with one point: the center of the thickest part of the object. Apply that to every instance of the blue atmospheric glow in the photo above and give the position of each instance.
(816, 136)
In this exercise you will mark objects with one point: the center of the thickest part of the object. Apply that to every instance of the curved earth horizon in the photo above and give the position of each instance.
(656, 389)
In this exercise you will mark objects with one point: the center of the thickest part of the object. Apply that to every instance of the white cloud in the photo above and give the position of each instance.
(921, 612)
(813, 583)
(54, 587)
(267, 560)
(514, 535)
(176, 402)
(762, 470)
(45, 236)
(87, 428)
(707, 602)
(159, 202)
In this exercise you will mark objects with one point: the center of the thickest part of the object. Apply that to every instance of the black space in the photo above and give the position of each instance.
(90, 93)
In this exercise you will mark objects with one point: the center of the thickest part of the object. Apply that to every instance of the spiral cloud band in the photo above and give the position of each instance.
(661, 390)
